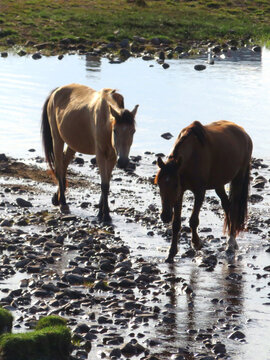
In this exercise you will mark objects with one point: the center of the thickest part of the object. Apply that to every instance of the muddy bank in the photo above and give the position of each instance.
(111, 283)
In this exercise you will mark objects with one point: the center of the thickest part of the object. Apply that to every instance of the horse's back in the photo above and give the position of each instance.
(228, 137)
(72, 107)
(230, 149)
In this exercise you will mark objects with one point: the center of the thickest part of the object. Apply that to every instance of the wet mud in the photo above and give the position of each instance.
(111, 282)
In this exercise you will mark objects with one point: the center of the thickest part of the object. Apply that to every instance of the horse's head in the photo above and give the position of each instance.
(167, 179)
(123, 129)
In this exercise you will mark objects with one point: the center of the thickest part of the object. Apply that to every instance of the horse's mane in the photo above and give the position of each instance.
(195, 128)
(116, 100)
(114, 97)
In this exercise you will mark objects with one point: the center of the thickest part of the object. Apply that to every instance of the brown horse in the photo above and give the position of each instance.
(90, 122)
(206, 157)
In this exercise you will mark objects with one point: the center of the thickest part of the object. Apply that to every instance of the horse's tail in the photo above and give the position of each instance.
(47, 135)
(235, 220)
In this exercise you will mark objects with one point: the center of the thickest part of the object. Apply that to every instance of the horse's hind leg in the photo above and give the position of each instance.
(238, 207)
(67, 157)
(59, 197)
(226, 204)
(194, 220)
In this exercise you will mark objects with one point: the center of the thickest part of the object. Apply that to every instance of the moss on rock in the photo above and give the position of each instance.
(51, 341)
(6, 320)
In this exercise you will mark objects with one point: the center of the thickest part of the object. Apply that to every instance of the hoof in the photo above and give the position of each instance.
(55, 201)
(169, 260)
(230, 250)
(197, 245)
(64, 209)
(106, 219)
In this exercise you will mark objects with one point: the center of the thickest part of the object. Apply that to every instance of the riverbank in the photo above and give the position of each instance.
(111, 283)
(131, 25)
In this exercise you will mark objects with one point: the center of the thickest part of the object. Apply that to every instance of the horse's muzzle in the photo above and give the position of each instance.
(122, 163)
(166, 217)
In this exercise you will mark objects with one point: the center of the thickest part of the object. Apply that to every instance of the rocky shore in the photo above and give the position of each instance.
(111, 283)
(117, 52)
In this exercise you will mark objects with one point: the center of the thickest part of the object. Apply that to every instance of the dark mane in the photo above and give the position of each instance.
(195, 128)
(118, 98)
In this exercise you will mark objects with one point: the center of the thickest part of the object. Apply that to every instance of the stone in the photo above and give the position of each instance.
(237, 335)
(36, 56)
(199, 67)
(23, 203)
(166, 136)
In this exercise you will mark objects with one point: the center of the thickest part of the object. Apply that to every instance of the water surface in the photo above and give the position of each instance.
(169, 99)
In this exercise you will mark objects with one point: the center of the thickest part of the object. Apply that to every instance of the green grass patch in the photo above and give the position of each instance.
(50, 341)
(99, 20)
(6, 320)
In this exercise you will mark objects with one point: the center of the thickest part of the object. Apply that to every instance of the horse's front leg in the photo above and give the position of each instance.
(104, 210)
(196, 242)
(176, 226)
(105, 165)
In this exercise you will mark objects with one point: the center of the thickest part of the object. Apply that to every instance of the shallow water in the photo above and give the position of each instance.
(236, 88)
(169, 100)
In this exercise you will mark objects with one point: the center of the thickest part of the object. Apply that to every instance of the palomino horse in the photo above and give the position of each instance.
(206, 157)
(90, 122)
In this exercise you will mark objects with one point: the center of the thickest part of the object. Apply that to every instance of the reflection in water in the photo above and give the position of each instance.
(207, 314)
(93, 63)
(240, 55)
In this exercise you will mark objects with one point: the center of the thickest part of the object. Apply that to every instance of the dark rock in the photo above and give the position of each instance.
(3, 158)
(36, 56)
(93, 161)
(255, 198)
(167, 136)
(74, 279)
(127, 283)
(148, 57)
(6, 223)
(4, 54)
(257, 49)
(199, 67)
(155, 41)
(124, 43)
(116, 353)
(82, 329)
(165, 66)
(124, 53)
(22, 53)
(79, 161)
(219, 348)
(237, 335)
(23, 203)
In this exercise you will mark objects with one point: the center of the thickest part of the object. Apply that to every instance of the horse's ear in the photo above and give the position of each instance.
(134, 111)
(160, 162)
(115, 114)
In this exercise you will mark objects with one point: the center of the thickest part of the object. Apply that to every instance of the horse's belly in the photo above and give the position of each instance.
(78, 135)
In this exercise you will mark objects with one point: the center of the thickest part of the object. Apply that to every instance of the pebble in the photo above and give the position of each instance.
(199, 67)
(23, 203)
